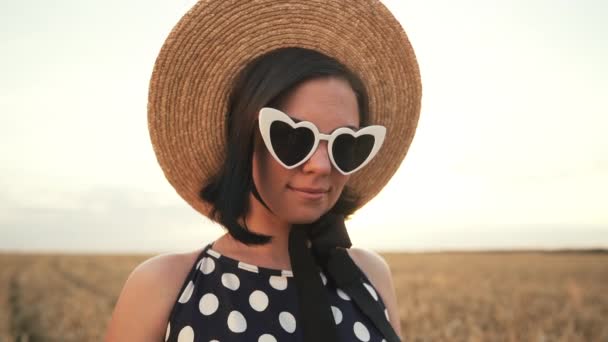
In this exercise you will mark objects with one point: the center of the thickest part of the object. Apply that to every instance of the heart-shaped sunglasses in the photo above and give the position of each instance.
(292, 144)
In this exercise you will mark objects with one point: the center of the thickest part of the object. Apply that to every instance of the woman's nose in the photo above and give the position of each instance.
(319, 162)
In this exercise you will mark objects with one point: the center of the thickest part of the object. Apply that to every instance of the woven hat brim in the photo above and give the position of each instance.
(204, 52)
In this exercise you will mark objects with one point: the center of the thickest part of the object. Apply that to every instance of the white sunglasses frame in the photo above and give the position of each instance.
(269, 115)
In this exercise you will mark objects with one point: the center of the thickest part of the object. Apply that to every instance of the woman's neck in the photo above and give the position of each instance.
(274, 254)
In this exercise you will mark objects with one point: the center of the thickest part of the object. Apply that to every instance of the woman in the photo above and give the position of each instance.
(261, 123)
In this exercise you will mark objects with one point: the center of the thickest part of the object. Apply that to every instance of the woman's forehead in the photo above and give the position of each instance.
(328, 103)
(296, 120)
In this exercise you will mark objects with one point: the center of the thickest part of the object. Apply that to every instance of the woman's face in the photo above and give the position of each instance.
(329, 103)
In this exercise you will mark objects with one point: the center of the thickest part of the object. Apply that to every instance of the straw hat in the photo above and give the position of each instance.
(192, 77)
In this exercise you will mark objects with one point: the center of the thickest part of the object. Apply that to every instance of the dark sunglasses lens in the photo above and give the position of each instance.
(350, 152)
(290, 144)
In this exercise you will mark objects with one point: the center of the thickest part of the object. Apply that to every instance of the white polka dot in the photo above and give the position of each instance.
(214, 341)
(267, 338)
(231, 281)
(207, 265)
(383, 340)
(185, 297)
(258, 300)
(237, 322)
(186, 334)
(343, 294)
(168, 331)
(278, 282)
(286, 273)
(337, 314)
(208, 304)
(371, 290)
(386, 314)
(361, 331)
(288, 322)
(323, 278)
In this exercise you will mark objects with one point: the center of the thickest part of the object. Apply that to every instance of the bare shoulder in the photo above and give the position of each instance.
(148, 296)
(371, 263)
(379, 274)
(375, 268)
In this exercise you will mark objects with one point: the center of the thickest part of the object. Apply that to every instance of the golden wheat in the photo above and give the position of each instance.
(442, 296)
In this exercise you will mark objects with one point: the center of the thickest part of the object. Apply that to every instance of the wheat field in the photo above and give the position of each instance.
(481, 296)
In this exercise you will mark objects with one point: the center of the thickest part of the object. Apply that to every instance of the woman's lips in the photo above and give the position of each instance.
(309, 193)
(311, 190)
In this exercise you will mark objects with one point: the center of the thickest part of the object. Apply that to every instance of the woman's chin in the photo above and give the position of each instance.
(306, 219)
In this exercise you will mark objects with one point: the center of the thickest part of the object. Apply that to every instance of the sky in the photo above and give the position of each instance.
(510, 150)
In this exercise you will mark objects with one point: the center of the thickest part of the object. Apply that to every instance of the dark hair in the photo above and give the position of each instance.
(267, 81)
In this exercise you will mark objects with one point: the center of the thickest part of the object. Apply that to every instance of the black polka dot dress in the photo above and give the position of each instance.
(223, 300)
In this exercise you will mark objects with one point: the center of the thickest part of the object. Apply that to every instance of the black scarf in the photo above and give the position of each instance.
(328, 243)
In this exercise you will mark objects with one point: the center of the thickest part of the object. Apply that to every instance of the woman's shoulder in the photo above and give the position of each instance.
(377, 270)
(166, 272)
(372, 264)
(167, 265)
(148, 295)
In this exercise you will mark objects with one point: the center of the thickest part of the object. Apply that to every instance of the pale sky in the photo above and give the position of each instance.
(510, 151)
